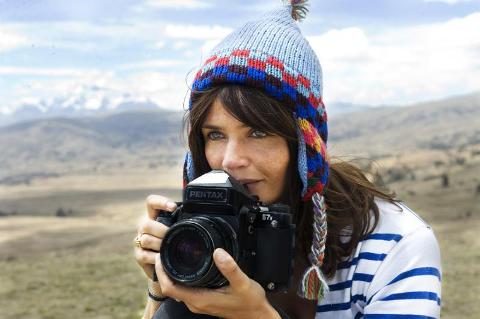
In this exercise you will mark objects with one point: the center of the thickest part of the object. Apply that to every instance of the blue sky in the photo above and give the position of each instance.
(96, 52)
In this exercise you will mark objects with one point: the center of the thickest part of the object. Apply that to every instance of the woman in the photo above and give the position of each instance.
(256, 112)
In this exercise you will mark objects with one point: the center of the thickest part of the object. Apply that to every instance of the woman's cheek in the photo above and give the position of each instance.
(214, 155)
(272, 150)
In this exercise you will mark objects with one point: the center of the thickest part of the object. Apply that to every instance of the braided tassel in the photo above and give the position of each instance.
(299, 9)
(313, 284)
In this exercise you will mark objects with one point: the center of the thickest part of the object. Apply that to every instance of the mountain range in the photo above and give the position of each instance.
(89, 144)
(79, 105)
(444, 124)
(152, 138)
(72, 108)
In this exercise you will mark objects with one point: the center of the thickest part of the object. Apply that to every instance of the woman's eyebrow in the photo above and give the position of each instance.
(211, 127)
(216, 127)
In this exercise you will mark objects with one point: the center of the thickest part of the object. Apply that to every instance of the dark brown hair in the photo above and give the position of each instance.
(349, 194)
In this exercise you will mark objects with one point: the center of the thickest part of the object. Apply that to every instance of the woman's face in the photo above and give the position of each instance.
(257, 159)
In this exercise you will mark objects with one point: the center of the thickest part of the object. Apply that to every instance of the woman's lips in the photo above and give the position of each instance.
(249, 184)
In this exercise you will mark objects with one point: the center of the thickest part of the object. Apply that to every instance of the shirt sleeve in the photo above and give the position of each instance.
(407, 285)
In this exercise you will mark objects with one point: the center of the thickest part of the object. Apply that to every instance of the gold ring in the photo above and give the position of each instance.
(137, 241)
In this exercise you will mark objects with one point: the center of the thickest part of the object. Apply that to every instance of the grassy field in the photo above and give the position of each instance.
(94, 278)
(82, 265)
(460, 250)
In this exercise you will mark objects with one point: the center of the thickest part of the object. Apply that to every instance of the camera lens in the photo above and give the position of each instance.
(187, 250)
(190, 251)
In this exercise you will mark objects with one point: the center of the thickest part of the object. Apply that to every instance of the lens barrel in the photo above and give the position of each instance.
(188, 246)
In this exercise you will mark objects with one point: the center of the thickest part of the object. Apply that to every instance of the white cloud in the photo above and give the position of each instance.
(211, 34)
(152, 64)
(401, 65)
(50, 72)
(165, 89)
(187, 4)
(10, 40)
(341, 44)
(87, 36)
(196, 32)
(91, 90)
(179, 45)
(381, 66)
(449, 1)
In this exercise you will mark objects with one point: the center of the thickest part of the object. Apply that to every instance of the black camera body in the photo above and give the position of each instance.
(217, 212)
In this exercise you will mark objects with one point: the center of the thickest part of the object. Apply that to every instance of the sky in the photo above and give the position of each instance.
(105, 52)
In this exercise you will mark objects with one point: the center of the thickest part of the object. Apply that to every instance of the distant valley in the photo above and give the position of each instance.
(151, 139)
(59, 146)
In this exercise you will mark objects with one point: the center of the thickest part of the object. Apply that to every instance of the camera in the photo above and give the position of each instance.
(218, 212)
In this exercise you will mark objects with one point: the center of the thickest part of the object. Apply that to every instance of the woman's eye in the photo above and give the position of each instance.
(258, 133)
(214, 135)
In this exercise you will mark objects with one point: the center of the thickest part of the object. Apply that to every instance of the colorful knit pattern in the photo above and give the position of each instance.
(257, 69)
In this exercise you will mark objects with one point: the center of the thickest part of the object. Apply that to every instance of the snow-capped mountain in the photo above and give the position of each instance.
(85, 101)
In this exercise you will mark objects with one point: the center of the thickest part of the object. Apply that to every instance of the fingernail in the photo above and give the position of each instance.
(171, 205)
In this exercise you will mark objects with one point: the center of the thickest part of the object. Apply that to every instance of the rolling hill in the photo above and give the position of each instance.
(66, 145)
(437, 125)
(151, 138)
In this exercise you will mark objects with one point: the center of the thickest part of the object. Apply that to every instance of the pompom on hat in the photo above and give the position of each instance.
(271, 54)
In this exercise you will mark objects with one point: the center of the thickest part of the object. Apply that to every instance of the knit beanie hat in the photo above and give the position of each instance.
(271, 54)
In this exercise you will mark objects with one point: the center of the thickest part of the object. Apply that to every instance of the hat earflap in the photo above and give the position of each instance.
(313, 285)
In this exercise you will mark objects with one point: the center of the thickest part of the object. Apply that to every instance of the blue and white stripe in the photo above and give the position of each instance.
(395, 272)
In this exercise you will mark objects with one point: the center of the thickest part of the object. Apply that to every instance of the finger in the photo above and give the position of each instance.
(143, 256)
(169, 288)
(230, 270)
(156, 203)
(151, 227)
(150, 242)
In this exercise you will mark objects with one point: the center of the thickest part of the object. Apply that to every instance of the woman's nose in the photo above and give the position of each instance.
(235, 156)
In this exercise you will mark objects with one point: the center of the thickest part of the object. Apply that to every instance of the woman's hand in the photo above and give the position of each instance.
(150, 232)
(243, 298)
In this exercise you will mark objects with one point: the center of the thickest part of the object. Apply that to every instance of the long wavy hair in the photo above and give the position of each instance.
(351, 214)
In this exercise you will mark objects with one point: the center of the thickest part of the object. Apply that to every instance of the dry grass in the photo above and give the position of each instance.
(78, 266)
(82, 266)
(454, 214)
(93, 276)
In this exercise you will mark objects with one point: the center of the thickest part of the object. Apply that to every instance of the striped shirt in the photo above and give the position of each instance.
(395, 272)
